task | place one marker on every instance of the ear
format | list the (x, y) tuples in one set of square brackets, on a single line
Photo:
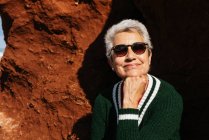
[(110, 62), (150, 56)]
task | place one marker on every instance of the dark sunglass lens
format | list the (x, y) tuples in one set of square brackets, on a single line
[(120, 50), (139, 48)]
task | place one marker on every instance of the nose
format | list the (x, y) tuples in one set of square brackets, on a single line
[(130, 54)]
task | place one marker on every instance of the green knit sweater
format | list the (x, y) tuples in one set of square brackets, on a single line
[(157, 118)]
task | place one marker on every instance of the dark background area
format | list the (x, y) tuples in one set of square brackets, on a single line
[(180, 35), (180, 31)]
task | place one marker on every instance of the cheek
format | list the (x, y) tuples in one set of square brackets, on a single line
[(117, 61), (145, 60)]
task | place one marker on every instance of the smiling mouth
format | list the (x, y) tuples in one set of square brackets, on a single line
[(130, 66)]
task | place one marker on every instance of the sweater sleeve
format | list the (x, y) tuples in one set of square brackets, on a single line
[(98, 119), (162, 124)]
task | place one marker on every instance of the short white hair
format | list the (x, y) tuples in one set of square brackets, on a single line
[(123, 26)]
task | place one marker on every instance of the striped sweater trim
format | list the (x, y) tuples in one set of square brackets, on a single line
[(114, 98), (128, 117), (153, 95), (147, 98)]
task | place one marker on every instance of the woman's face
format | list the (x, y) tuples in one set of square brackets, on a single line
[(131, 64)]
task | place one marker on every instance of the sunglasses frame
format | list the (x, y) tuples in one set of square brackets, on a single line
[(126, 46)]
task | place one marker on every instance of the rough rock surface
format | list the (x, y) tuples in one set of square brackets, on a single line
[(54, 63), (41, 96)]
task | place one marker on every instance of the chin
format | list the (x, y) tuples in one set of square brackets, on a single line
[(135, 74), (130, 75)]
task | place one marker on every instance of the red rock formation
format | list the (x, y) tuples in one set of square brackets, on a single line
[(54, 64), (41, 97)]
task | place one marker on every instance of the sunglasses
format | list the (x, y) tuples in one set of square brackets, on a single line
[(122, 49)]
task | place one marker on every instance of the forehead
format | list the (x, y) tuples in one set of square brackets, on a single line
[(127, 37)]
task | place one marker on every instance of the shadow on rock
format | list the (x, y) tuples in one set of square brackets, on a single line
[(81, 129)]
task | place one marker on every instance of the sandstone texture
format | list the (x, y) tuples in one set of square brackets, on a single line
[(41, 96), (54, 63)]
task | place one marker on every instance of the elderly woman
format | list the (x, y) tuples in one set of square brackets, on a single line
[(140, 106)]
